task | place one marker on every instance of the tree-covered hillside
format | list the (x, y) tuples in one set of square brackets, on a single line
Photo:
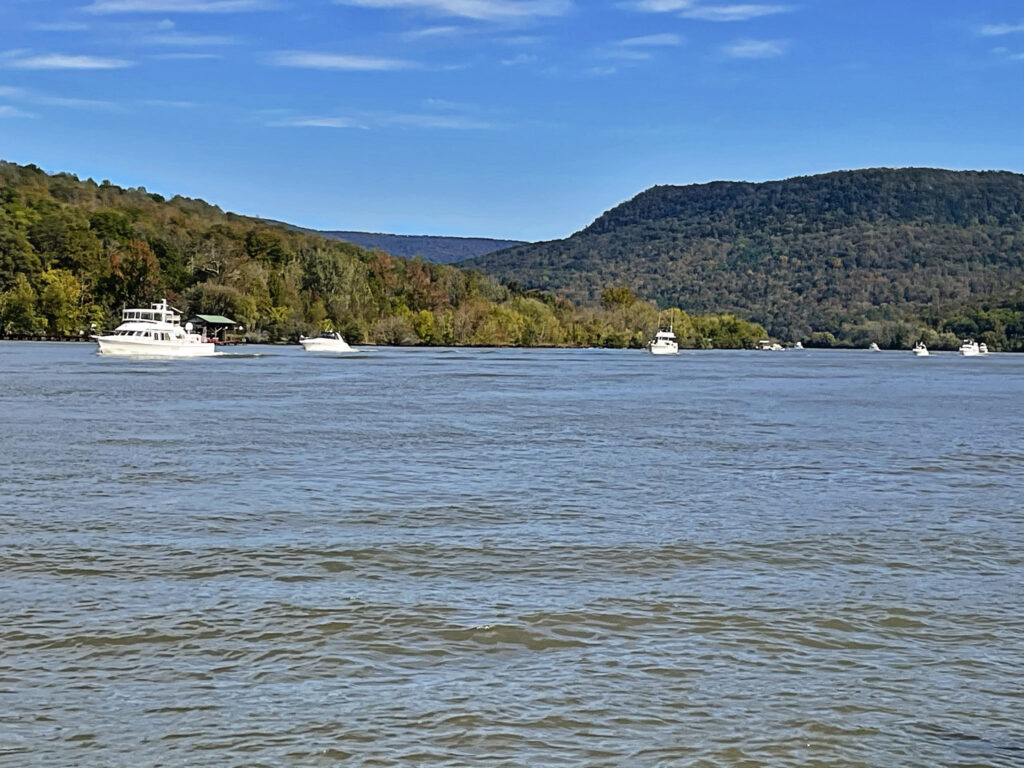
[(881, 254), (441, 250), (73, 253)]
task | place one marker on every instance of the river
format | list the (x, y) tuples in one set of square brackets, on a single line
[(502, 557)]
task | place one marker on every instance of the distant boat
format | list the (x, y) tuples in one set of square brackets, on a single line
[(872, 347), (971, 348), (770, 346), (798, 345), (328, 341), (664, 342), (154, 332), (920, 350)]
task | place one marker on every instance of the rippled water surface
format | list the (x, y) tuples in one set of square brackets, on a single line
[(433, 557)]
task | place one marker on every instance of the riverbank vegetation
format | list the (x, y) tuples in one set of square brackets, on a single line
[(74, 252)]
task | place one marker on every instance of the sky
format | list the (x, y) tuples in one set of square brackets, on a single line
[(517, 119)]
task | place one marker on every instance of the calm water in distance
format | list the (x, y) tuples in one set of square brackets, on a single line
[(469, 557)]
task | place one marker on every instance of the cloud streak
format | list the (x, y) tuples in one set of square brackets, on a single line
[(179, 6), (480, 10), (649, 41), (7, 111), (340, 62), (733, 12), (755, 49), (65, 61), (995, 30), (688, 9)]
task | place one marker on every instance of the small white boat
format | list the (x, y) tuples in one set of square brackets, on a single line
[(154, 332), (920, 350), (329, 341), (798, 345), (664, 342), (872, 347), (971, 348), (770, 346)]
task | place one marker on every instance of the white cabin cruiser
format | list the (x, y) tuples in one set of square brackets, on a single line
[(329, 341), (971, 348), (769, 346), (664, 342), (154, 332), (873, 347), (920, 350)]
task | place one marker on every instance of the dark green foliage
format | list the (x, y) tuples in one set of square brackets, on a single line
[(858, 254)]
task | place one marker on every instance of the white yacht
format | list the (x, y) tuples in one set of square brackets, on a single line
[(328, 341), (920, 350), (798, 345), (664, 342), (770, 346), (971, 348), (154, 332), (872, 347)]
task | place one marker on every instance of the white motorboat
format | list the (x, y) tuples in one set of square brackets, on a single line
[(872, 347), (798, 345), (329, 341), (154, 332), (770, 346), (920, 350), (971, 348), (664, 342)]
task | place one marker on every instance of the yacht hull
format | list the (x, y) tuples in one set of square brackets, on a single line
[(123, 347), (663, 350), (325, 345)]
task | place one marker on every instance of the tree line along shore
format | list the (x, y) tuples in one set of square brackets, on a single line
[(74, 252)]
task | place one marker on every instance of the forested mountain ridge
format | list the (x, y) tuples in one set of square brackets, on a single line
[(74, 252), (851, 255), (435, 248)]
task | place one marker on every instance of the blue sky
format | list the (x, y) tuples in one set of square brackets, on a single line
[(521, 119)]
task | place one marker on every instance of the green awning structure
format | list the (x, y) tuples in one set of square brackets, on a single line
[(216, 319)]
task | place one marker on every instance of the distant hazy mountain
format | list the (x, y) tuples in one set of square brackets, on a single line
[(809, 253), (440, 250)]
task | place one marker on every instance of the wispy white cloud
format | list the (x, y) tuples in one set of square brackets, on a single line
[(432, 32), (438, 114), (179, 6), (66, 26), (28, 96), (481, 10), (1002, 51), (522, 58), (169, 104), (65, 61), (453, 122), (755, 49), (636, 49), (187, 41), (994, 30), (658, 6), (689, 9), (8, 111), (733, 12), (520, 40), (63, 101), (340, 61), (181, 56), (649, 41), (316, 122)]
